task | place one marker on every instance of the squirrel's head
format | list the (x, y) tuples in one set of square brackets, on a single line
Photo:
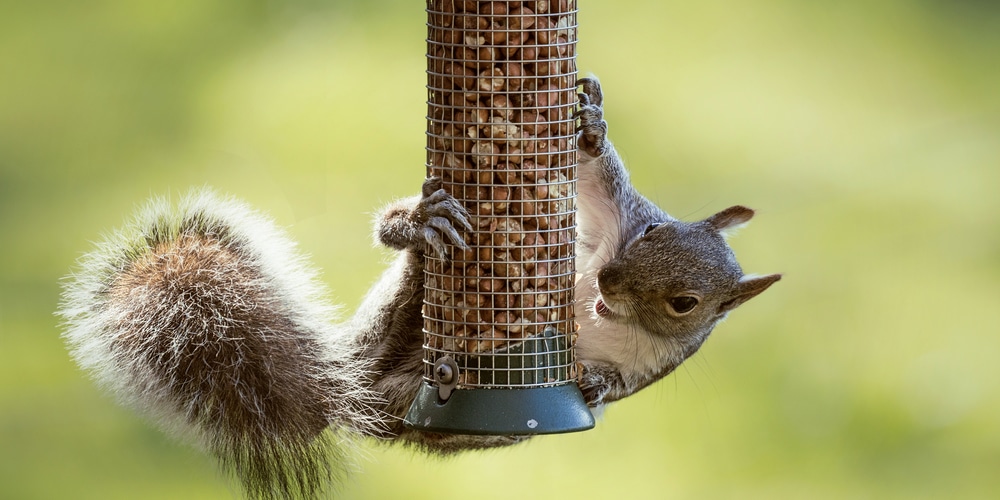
[(678, 279)]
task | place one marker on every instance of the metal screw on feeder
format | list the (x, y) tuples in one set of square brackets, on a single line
[(498, 319)]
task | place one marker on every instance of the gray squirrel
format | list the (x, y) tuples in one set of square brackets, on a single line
[(206, 319), (657, 286)]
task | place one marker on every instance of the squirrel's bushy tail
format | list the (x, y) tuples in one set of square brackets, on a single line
[(206, 318)]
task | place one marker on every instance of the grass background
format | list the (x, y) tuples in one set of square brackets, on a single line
[(867, 134)]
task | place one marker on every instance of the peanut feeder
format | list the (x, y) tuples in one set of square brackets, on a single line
[(499, 318)]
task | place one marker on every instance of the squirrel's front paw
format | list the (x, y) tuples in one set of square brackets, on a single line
[(438, 213), (593, 129)]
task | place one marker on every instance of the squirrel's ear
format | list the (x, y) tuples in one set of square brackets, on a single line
[(748, 288), (731, 219)]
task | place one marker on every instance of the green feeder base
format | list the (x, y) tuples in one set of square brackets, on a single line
[(538, 410)]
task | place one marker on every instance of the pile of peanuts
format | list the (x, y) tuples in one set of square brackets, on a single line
[(500, 128)]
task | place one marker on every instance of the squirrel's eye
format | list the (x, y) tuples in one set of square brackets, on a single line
[(650, 228), (683, 304)]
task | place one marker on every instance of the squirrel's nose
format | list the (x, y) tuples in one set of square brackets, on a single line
[(609, 278)]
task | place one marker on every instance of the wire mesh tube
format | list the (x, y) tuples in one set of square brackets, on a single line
[(501, 81), (501, 88)]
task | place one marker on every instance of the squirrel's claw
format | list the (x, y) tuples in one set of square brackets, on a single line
[(592, 89), (442, 204), (443, 213), (593, 129), (436, 242), (433, 231)]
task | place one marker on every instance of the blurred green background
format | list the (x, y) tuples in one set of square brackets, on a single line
[(867, 134)]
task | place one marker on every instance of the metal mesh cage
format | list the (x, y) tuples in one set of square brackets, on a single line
[(501, 81)]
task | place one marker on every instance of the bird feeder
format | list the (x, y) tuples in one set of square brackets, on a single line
[(499, 320)]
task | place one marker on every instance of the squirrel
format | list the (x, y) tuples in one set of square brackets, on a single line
[(656, 286), (206, 318)]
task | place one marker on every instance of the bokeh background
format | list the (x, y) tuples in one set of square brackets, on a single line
[(867, 134)]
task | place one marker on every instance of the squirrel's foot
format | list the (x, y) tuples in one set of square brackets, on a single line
[(598, 380), (437, 214), (593, 129), (592, 89)]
